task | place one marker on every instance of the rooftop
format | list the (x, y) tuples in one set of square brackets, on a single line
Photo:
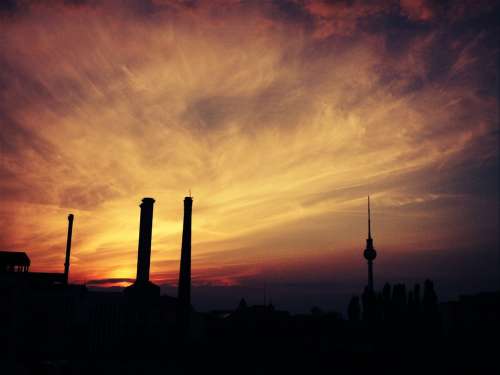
[(14, 258)]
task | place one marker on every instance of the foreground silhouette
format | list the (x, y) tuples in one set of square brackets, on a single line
[(50, 326)]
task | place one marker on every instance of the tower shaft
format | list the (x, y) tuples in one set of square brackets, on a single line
[(145, 233), (369, 220), (142, 289), (370, 276), (68, 248), (184, 292)]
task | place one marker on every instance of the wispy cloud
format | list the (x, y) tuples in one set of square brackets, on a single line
[(280, 116)]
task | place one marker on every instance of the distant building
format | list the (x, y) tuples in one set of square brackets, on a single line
[(14, 261), (472, 314), (14, 269)]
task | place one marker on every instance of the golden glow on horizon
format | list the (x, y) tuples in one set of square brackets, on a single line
[(279, 137)]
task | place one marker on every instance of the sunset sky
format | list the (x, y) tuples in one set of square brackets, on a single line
[(279, 116)]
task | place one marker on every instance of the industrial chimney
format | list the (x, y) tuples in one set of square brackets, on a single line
[(142, 284), (184, 289), (145, 232), (68, 248)]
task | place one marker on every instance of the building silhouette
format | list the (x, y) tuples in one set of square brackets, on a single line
[(14, 268), (42, 316), (14, 261)]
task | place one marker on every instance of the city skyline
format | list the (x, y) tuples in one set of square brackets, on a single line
[(281, 117)]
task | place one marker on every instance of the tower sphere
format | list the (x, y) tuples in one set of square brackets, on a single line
[(370, 254)]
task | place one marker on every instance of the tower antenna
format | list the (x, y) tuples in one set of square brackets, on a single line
[(369, 220)]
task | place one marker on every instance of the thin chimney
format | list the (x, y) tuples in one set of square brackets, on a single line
[(184, 291), (68, 248)]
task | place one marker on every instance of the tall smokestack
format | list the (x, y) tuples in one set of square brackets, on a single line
[(144, 250), (142, 287), (68, 248), (184, 292)]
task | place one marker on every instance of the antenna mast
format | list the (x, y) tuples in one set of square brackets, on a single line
[(369, 220)]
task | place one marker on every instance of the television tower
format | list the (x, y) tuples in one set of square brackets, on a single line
[(370, 254)]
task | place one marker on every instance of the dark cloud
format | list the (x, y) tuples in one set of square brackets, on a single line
[(261, 109), (8, 7), (397, 30), (23, 153), (19, 88), (15, 139), (87, 197), (109, 281), (291, 11)]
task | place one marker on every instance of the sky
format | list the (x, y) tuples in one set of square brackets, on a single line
[(280, 117)]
